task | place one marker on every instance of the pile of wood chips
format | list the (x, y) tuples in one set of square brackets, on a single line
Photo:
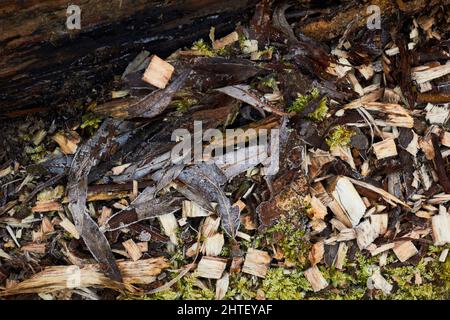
[(363, 178)]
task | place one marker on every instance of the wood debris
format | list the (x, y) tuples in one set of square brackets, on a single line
[(385, 149), (256, 263), (211, 267), (316, 279), (158, 72), (132, 249)]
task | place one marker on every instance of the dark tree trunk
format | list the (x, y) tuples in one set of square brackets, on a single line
[(44, 66)]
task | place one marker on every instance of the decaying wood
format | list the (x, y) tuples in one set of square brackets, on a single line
[(348, 198), (158, 72), (385, 149), (211, 267), (256, 263), (441, 228), (213, 245), (133, 249), (222, 286), (377, 281), (365, 234), (405, 250), (316, 279), (58, 278), (170, 226)]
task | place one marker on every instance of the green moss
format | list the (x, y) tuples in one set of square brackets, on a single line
[(269, 82), (189, 289), (299, 104), (302, 100), (321, 111), (90, 122), (184, 104), (289, 234), (202, 47), (339, 137), (241, 288), (337, 278), (281, 284), (406, 289)]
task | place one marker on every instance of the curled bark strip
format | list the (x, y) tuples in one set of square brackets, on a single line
[(87, 157), (206, 179)]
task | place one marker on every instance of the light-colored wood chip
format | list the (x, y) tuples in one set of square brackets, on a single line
[(428, 74), (213, 245), (143, 246), (379, 223), (34, 247), (67, 225), (46, 226), (47, 206), (132, 249), (227, 40), (57, 278), (158, 72), (348, 198), (105, 214), (443, 255), (445, 139), (256, 263), (440, 225), (341, 255), (67, 141), (385, 149), (210, 226), (405, 250), (316, 279), (377, 281), (316, 253), (192, 210), (318, 209), (222, 286), (170, 225), (365, 234), (211, 267)]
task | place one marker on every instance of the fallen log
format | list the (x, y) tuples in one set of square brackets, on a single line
[(44, 65)]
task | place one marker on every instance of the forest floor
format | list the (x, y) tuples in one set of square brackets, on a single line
[(336, 186)]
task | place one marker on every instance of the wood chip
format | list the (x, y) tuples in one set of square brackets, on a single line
[(385, 149), (256, 263), (377, 281), (132, 249), (441, 228), (428, 74), (316, 253), (211, 267), (158, 72), (57, 278), (365, 234), (349, 199), (213, 245), (222, 286), (68, 142), (236, 264), (405, 250), (341, 255), (47, 206), (379, 223), (316, 279), (228, 39), (192, 210), (170, 226), (67, 225), (34, 247)]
